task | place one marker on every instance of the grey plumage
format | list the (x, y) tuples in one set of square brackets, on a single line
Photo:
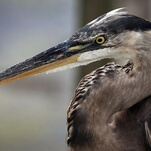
[(111, 107), (99, 120)]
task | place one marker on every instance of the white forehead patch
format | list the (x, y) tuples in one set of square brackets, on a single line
[(116, 12)]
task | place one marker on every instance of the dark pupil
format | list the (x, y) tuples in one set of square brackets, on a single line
[(100, 40)]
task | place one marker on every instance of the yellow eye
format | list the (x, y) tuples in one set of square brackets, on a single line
[(100, 40)]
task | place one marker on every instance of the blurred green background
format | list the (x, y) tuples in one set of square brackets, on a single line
[(33, 110)]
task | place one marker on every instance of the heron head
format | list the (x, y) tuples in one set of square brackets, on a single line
[(115, 34)]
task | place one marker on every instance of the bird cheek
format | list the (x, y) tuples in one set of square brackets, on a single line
[(132, 39)]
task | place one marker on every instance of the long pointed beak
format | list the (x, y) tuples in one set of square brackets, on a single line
[(50, 59)]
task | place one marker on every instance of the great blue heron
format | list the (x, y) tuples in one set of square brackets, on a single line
[(111, 108)]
